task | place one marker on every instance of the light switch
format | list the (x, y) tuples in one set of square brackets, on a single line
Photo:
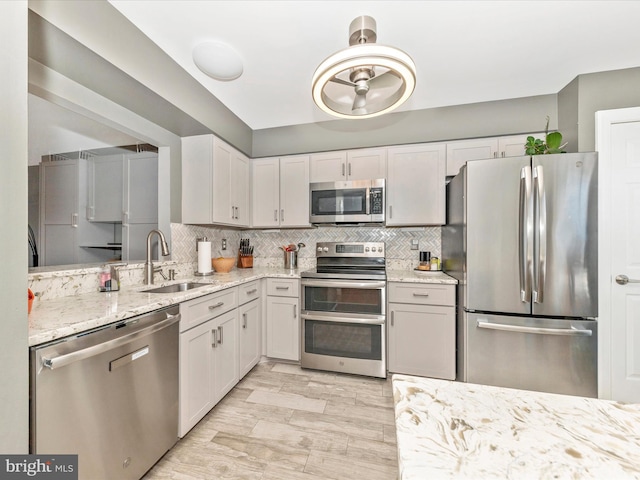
[(415, 244)]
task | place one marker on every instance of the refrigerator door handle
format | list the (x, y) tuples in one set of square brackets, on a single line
[(540, 330), (540, 268), (525, 233)]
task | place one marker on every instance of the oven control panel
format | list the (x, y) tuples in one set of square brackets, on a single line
[(351, 249)]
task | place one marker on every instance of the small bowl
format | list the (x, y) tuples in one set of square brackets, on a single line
[(223, 264)]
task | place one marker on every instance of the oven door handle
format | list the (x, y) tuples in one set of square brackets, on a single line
[(342, 284), (360, 320)]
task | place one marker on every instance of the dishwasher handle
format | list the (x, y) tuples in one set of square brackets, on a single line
[(66, 359)]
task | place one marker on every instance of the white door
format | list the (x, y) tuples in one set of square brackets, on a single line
[(618, 145)]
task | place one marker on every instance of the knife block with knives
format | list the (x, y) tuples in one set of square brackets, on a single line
[(245, 254)]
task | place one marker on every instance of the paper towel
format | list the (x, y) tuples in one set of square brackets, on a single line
[(204, 257)]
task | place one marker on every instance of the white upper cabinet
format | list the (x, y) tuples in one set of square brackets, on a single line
[(280, 192), (462, 151), (416, 185), (105, 182), (362, 164), (215, 182)]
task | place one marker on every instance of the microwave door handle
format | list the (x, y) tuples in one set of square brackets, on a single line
[(367, 201)]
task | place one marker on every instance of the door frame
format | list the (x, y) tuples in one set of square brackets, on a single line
[(604, 120)]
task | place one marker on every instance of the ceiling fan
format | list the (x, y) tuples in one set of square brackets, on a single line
[(366, 79)]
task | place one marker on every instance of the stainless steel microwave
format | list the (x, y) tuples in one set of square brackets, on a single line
[(358, 201)]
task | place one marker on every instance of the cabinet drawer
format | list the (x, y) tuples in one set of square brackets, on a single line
[(283, 287), (422, 294), (198, 310), (248, 292)]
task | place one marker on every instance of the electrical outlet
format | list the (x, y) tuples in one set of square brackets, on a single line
[(415, 244), (224, 244)]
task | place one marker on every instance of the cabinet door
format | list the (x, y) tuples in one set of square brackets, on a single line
[(416, 185), (294, 191), (105, 188), (328, 167), (283, 328), (459, 153), (422, 340), (240, 190), (513, 145), (141, 188), (59, 192), (196, 375), (250, 337), (226, 354), (265, 192), (222, 209), (367, 164), (197, 177)]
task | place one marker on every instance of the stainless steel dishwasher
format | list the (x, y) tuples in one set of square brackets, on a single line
[(109, 395)]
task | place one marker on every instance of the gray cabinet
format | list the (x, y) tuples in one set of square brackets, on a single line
[(283, 318), (250, 326), (422, 330)]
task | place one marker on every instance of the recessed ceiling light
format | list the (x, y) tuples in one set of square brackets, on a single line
[(218, 60)]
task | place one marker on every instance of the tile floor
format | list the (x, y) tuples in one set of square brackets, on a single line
[(281, 422)]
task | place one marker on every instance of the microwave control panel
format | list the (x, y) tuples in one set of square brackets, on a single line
[(375, 200)]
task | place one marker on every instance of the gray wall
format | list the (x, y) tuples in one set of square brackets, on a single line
[(568, 115), (14, 374), (604, 91), (514, 116)]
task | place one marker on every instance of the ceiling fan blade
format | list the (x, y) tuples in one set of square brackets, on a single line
[(342, 82), (387, 79), (359, 102)]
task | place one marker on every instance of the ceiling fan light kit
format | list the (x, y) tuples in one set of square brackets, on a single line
[(366, 79), (218, 60)]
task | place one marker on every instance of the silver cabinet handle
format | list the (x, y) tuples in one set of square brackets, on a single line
[(295, 311), (251, 292), (74, 220), (125, 219), (343, 169), (233, 212), (349, 168), (220, 329), (623, 280), (540, 330), (275, 215), (415, 294), (282, 214), (244, 320), (213, 307), (390, 211), (214, 333), (237, 213), (282, 288), (393, 317)]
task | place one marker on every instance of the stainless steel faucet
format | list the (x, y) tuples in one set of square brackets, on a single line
[(148, 265)]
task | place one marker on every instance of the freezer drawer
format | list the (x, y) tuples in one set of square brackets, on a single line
[(530, 353)]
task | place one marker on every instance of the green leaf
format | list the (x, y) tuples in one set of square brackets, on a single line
[(554, 140)]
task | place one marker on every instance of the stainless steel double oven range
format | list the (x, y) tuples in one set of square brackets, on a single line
[(343, 309)]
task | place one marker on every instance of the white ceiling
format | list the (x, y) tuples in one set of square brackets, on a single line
[(465, 51)]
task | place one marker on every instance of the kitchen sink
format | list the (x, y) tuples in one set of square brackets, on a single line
[(176, 287)]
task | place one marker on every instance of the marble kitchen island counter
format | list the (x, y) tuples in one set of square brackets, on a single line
[(460, 430)]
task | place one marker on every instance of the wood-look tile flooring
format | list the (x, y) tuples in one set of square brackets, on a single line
[(282, 422)]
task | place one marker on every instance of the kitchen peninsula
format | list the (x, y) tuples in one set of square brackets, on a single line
[(461, 430)]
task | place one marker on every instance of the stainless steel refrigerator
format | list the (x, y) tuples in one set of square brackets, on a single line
[(521, 238)]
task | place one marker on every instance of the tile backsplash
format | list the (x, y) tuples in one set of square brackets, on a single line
[(398, 242)]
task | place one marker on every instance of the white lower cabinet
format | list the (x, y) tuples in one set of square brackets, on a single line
[(209, 354), (422, 330), (250, 329), (283, 318)]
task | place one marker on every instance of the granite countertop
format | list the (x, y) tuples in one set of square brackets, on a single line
[(56, 318), (459, 430), (416, 276)]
